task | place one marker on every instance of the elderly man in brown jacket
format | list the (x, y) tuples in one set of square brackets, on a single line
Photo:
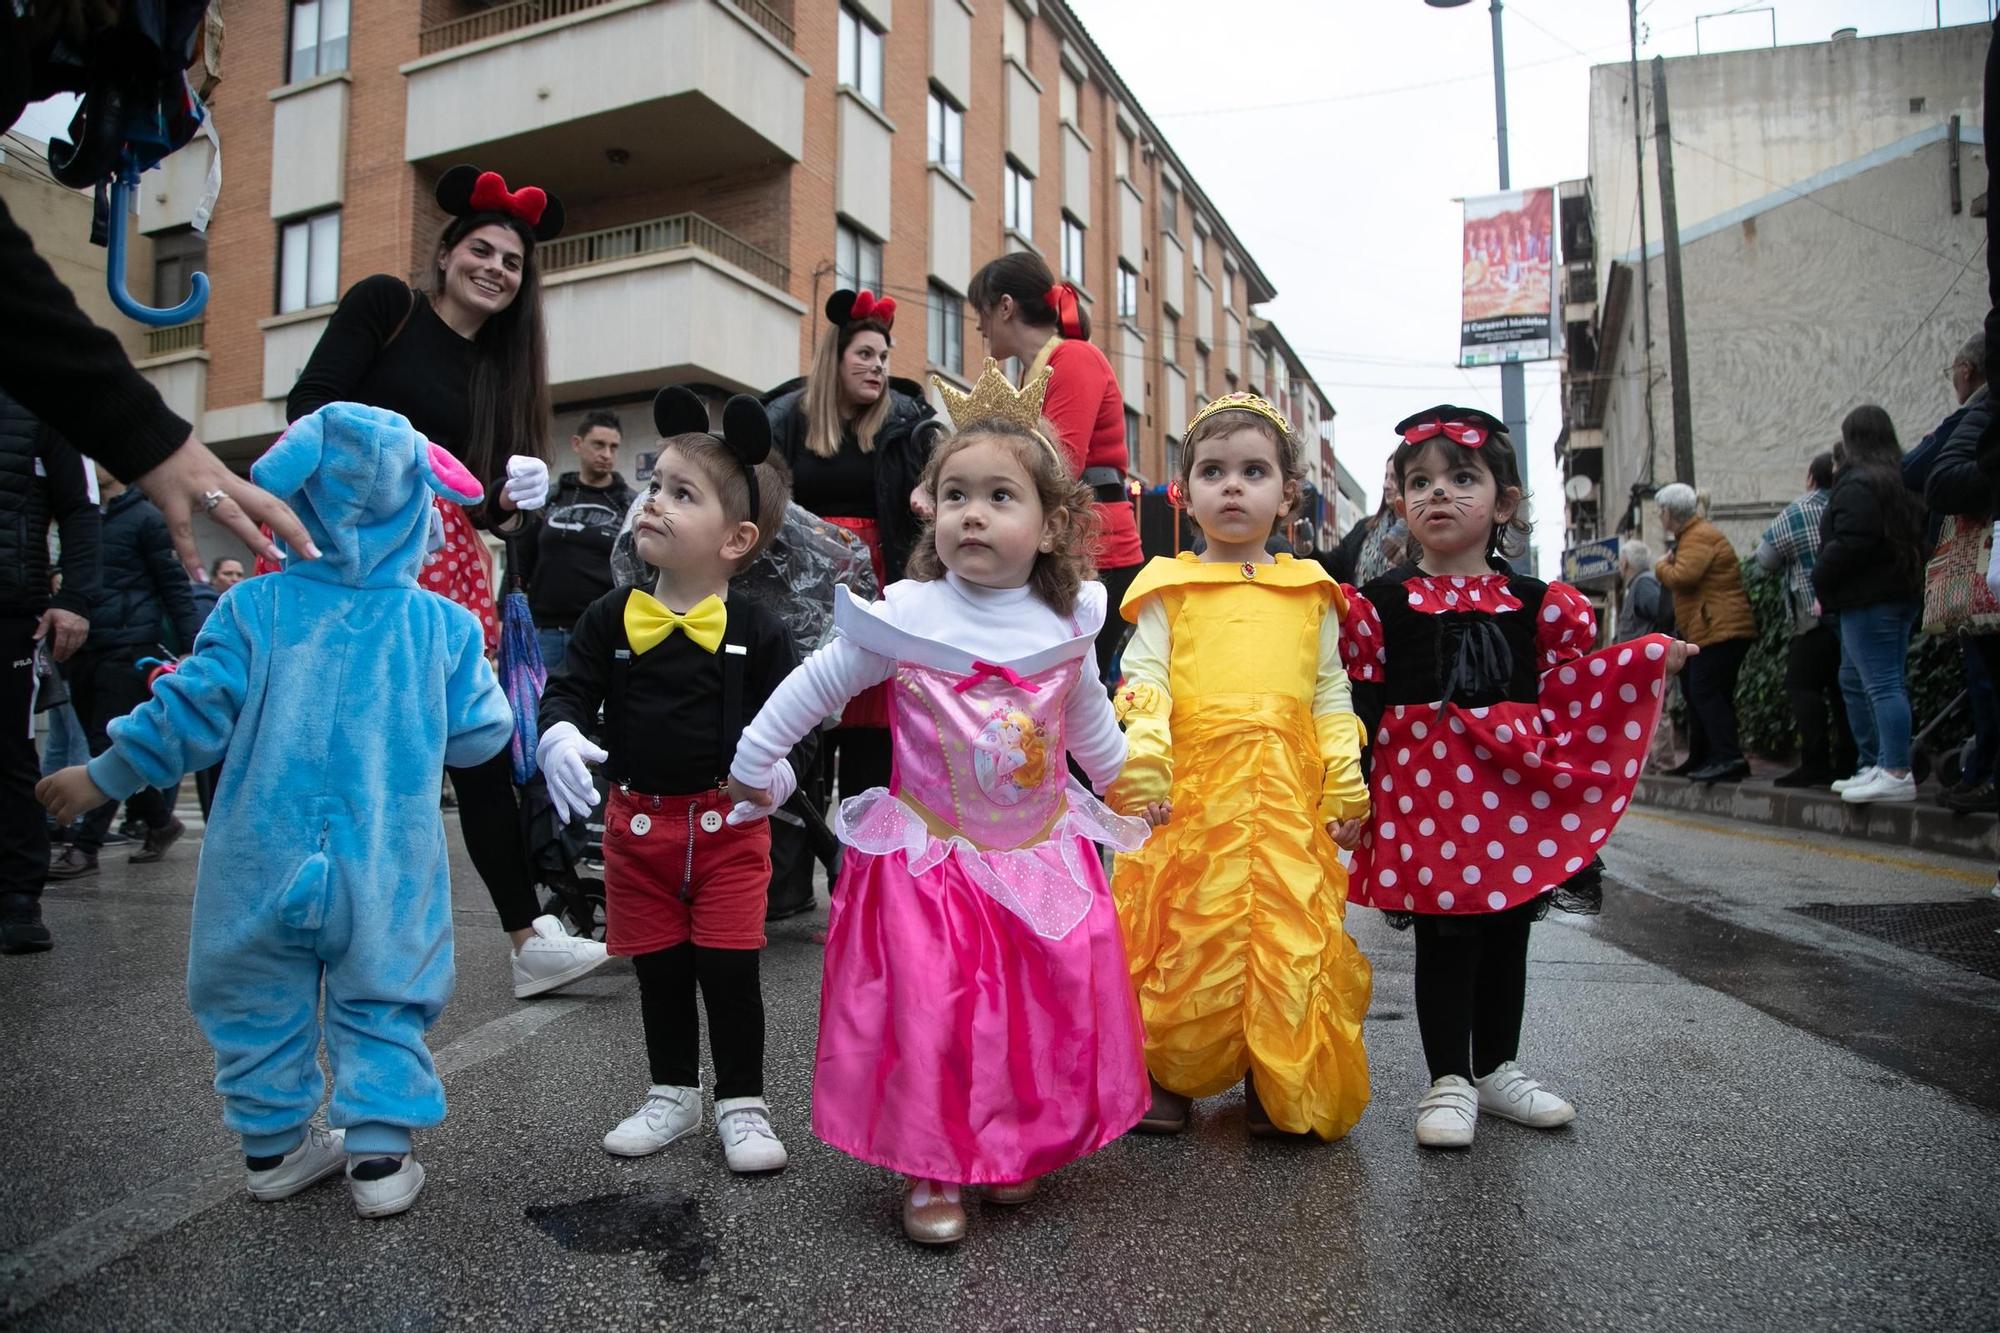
[(1710, 609)]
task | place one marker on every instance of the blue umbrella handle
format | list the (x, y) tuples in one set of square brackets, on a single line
[(122, 186)]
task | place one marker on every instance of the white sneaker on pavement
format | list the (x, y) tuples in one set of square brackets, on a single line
[(1860, 776), (387, 1195), (1512, 1095), (668, 1113), (748, 1140), (1882, 785), (552, 958), (323, 1152), (1447, 1114)]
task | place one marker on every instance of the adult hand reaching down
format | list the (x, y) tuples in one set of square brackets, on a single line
[(193, 476)]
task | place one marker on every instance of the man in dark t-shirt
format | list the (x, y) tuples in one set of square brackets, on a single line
[(563, 553)]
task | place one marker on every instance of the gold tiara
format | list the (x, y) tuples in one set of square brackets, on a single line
[(1240, 402), (992, 396)]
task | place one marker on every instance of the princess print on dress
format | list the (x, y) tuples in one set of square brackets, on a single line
[(1009, 755)]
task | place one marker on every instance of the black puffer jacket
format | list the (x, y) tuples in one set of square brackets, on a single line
[(42, 478), (144, 582), (902, 447), (1870, 542), (1962, 480)]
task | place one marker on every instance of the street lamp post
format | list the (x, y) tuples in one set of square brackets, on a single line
[(1513, 383)]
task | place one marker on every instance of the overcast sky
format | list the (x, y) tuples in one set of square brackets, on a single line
[(1335, 136)]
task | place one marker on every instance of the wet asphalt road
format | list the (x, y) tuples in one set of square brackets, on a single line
[(1784, 1124)]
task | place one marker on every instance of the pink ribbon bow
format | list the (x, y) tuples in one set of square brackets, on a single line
[(987, 671)]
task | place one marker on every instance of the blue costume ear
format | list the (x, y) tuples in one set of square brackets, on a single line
[(289, 464), (445, 475)]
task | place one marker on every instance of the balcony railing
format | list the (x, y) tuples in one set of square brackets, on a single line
[(502, 19), (658, 234), (179, 338)]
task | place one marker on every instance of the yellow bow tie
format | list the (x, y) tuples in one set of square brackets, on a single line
[(647, 622)]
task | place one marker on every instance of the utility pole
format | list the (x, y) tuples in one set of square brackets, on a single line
[(1677, 352), (1645, 264)]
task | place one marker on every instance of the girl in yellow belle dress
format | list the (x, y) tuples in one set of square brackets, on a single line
[(1245, 753)]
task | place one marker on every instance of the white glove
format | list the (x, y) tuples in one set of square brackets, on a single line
[(1993, 565), (781, 785), (564, 757), (527, 482)]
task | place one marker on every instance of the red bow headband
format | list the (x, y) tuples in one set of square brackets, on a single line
[(465, 190), (1467, 426), (845, 307), (1062, 298), (491, 195), (1459, 432)]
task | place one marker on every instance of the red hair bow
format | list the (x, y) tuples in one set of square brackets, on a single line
[(1062, 297), (868, 306), (1467, 433), (491, 195)]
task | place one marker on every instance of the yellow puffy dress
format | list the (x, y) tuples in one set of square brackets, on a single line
[(1233, 910)]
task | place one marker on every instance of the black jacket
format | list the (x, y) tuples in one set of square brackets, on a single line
[(145, 586), (1861, 560), (562, 554), (42, 478), (1962, 478), (902, 447)]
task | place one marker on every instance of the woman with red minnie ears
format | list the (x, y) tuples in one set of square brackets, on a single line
[(1026, 314), (467, 363)]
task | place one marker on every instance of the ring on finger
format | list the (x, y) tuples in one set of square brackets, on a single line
[(210, 499)]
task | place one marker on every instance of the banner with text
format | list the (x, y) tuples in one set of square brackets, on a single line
[(1508, 278)]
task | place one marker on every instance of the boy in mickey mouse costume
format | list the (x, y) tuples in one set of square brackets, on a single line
[(678, 671)]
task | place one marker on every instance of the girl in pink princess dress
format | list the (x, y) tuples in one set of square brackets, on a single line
[(977, 1022), (1504, 754)]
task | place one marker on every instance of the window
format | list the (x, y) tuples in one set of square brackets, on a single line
[(1128, 291), (1069, 96), (1173, 459), (1132, 440), (1228, 285), (1014, 35), (860, 57), (177, 256), (1072, 249), (947, 331), (1200, 251), (319, 39), (1018, 199), (1170, 337), (1170, 208), (1122, 154), (1200, 372), (309, 262), (947, 135), (857, 260)]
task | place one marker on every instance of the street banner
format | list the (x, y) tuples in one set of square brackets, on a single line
[(1508, 279)]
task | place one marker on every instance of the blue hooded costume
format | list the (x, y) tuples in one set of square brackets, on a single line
[(333, 695)]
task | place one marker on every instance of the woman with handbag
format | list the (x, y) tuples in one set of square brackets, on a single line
[(467, 363), (1869, 576), (1964, 486)]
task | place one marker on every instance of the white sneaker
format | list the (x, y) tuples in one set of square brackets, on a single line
[(552, 958), (1860, 776), (323, 1152), (668, 1113), (1447, 1114), (1882, 785), (1512, 1095), (748, 1140), (391, 1194)]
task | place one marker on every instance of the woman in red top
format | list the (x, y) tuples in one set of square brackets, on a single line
[(1026, 314)]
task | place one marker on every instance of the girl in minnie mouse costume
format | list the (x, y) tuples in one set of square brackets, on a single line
[(1504, 753), (679, 669), (466, 363)]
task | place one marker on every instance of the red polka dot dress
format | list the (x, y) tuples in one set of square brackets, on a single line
[(1506, 751), (460, 570)]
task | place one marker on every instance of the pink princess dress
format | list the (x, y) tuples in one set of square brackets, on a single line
[(977, 1021)]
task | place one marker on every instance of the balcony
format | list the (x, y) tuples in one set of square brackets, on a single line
[(188, 337), (669, 299), (680, 89), (176, 364)]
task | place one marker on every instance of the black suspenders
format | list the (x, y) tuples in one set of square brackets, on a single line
[(735, 660)]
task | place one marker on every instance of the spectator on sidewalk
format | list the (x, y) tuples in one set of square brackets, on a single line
[(1711, 610), (1375, 545), (1812, 657), (562, 554), (45, 480), (143, 589), (1646, 608), (1870, 576)]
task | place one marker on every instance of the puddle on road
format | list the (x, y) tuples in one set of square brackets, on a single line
[(662, 1223)]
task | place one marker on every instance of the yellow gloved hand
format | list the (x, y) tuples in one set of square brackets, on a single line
[(1343, 792), (1148, 774)]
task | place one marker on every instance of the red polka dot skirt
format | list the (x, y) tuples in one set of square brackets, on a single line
[(460, 570)]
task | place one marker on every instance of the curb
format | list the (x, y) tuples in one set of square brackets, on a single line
[(1920, 826)]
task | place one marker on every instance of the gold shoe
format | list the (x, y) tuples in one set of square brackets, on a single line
[(932, 1214), (1017, 1193)]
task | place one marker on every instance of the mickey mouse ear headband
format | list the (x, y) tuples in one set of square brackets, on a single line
[(1467, 426), (746, 429), (465, 190), (845, 307)]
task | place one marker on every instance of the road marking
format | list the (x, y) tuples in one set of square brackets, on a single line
[(1792, 844), (31, 1275)]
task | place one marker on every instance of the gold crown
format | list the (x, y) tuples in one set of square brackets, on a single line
[(992, 396), (1240, 402)]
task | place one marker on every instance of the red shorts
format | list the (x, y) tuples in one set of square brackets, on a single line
[(675, 869)]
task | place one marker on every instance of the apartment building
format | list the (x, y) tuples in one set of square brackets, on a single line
[(725, 164)]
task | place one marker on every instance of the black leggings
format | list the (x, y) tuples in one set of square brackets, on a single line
[(1472, 980), (735, 1002), (489, 815), (854, 759), (1111, 637)]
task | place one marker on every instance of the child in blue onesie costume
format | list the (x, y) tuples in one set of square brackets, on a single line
[(333, 695)]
